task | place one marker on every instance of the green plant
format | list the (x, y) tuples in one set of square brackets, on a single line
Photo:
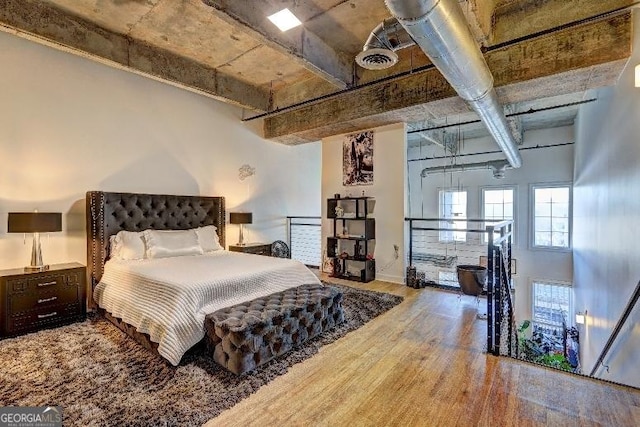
[(542, 348)]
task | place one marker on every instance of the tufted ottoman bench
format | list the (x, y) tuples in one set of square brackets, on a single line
[(247, 335)]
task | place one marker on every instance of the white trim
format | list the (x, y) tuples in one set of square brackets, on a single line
[(532, 210)]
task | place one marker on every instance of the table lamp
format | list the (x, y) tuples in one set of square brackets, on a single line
[(36, 223), (241, 218)]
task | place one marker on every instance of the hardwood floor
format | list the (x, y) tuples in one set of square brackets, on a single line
[(422, 364)]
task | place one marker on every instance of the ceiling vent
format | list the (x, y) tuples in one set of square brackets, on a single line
[(377, 59)]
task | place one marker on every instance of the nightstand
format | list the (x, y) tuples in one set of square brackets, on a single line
[(31, 301), (252, 248)]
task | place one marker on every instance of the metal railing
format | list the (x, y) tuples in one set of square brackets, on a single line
[(496, 246), (500, 310), (304, 235), (616, 330)]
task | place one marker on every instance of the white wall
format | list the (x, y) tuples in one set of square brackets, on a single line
[(389, 154), (607, 223), (546, 165), (69, 125)]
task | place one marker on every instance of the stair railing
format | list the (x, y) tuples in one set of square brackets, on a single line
[(616, 330)]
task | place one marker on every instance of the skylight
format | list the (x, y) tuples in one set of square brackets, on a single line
[(285, 20)]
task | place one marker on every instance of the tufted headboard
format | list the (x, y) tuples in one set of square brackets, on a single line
[(108, 213)]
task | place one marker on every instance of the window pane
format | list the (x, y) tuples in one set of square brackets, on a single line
[(560, 195), (560, 224), (453, 204), (508, 196), (551, 216), (551, 303), (543, 209), (543, 239), (543, 224), (543, 195), (508, 211), (560, 240), (561, 210)]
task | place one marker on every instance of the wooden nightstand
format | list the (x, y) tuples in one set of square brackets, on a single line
[(31, 301), (252, 248)]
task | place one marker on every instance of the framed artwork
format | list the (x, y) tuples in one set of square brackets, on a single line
[(357, 159)]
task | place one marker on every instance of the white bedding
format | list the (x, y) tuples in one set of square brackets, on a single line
[(168, 298)]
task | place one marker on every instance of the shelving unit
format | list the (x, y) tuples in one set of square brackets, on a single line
[(350, 243)]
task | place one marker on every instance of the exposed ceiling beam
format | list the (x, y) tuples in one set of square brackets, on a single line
[(519, 18), (301, 44), (581, 57), (45, 22)]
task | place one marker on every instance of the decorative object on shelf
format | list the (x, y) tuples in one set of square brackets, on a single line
[(241, 218), (344, 255), (411, 277), (345, 232), (336, 196), (36, 223), (339, 211), (336, 267), (357, 159)]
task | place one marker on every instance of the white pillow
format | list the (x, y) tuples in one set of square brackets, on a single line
[(127, 245), (208, 238), (170, 243)]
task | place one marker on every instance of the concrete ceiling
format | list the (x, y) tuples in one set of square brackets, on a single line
[(227, 49)]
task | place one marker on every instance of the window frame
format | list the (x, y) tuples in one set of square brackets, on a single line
[(570, 320), (441, 215), (512, 187), (532, 216)]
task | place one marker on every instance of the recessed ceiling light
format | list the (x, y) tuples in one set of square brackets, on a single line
[(285, 20)]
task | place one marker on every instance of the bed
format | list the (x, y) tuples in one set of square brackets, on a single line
[(139, 296)]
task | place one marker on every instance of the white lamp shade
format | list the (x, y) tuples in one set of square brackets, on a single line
[(580, 318)]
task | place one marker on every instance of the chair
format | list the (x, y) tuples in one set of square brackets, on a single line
[(472, 279), (280, 249)]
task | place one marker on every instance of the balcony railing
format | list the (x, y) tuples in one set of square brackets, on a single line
[(305, 239)]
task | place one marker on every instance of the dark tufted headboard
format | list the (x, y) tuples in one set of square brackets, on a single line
[(108, 213)]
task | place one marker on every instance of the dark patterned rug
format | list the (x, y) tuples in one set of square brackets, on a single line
[(101, 377)]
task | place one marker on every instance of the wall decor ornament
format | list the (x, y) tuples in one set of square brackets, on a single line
[(357, 159)]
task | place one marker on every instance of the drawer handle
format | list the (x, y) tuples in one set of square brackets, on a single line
[(44, 316), (41, 285), (40, 301)]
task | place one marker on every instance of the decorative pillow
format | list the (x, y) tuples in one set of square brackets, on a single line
[(127, 245), (170, 243), (208, 238)]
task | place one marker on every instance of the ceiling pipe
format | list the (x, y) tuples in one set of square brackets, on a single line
[(440, 29), (498, 168)]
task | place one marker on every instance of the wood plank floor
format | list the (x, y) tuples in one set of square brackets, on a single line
[(422, 364)]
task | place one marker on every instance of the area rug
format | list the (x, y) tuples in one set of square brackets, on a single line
[(102, 377)]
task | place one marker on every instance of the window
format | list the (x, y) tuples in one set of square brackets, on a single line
[(552, 303), (551, 216), (498, 205), (453, 204)]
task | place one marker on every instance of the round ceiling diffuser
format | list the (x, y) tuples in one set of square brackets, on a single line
[(376, 59)]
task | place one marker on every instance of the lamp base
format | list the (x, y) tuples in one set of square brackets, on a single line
[(35, 268)]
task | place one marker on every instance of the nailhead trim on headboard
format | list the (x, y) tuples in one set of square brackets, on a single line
[(108, 213)]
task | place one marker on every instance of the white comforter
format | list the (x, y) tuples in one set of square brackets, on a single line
[(168, 298)]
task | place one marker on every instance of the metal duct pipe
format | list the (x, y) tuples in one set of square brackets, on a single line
[(440, 29), (498, 168)]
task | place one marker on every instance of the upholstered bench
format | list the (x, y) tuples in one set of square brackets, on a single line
[(247, 335)]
